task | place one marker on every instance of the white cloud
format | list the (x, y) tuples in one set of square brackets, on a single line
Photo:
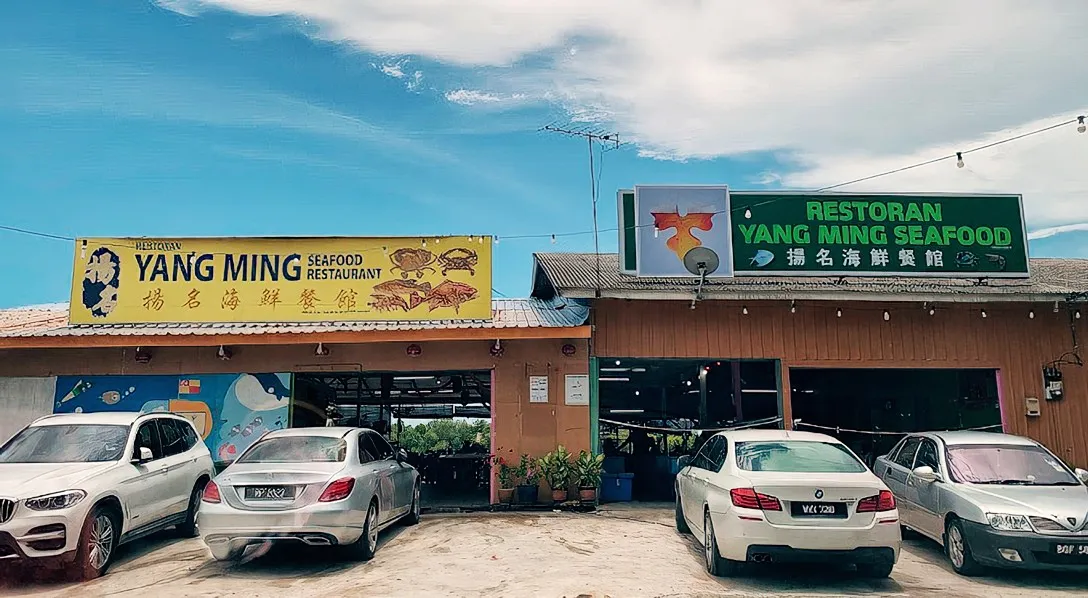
[(394, 69), (1045, 233), (843, 88), (472, 97)]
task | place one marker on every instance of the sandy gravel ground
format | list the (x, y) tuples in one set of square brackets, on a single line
[(619, 553)]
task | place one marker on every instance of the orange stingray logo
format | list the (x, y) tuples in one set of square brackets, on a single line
[(683, 241)]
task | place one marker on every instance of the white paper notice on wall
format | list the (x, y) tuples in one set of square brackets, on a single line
[(577, 389), (538, 389)]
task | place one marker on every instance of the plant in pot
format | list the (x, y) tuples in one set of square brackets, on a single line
[(527, 474), (556, 469), (507, 478), (587, 471)]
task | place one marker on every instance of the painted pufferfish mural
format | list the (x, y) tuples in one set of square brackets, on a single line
[(254, 403)]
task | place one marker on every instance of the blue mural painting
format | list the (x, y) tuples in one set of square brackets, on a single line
[(230, 411)]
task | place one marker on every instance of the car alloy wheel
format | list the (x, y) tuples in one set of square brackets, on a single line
[(956, 552), (708, 543), (372, 529), (100, 543)]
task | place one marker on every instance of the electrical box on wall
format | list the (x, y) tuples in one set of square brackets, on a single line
[(1032, 406), (1052, 384)]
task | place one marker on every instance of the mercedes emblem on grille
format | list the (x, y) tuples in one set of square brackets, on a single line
[(1071, 520), (819, 493)]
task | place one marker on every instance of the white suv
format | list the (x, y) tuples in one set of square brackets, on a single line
[(76, 486)]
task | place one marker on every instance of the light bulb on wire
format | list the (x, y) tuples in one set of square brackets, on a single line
[(553, 239), (496, 239), (838, 313), (887, 316), (983, 313), (656, 232), (747, 213), (424, 242), (959, 159), (1081, 127)]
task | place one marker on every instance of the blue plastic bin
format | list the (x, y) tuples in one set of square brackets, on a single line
[(616, 487)]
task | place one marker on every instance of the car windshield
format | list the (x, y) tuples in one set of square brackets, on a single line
[(78, 443), (797, 456), (1007, 464), (297, 449)]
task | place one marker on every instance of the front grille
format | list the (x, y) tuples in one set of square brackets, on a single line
[(7, 509), (1047, 525)]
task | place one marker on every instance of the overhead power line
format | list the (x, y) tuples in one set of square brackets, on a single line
[(612, 140)]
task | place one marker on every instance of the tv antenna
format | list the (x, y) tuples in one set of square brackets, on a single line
[(591, 136)]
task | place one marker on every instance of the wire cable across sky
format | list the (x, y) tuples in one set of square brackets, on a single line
[(958, 156)]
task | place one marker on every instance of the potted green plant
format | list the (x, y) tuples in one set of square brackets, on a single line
[(527, 474), (587, 471), (507, 478), (556, 469)]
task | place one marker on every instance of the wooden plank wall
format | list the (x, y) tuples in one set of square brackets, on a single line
[(956, 336)]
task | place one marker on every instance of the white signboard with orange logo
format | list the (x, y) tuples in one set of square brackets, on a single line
[(673, 220)]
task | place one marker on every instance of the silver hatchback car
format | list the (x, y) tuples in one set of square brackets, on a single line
[(990, 499), (317, 486)]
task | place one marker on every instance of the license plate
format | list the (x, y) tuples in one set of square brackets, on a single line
[(1080, 550), (818, 509), (270, 492)]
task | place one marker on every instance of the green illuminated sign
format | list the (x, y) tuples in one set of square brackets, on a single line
[(878, 235)]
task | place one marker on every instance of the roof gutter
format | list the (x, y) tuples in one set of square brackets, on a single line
[(858, 296), (91, 340)]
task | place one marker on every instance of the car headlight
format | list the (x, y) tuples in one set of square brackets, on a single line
[(1008, 523), (55, 501)]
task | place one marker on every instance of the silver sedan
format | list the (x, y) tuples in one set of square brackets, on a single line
[(317, 486), (990, 499)]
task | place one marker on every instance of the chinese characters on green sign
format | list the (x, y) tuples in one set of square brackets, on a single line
[(878, 235)]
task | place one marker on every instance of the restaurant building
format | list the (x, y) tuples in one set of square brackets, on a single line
[(288, 368), (861, 348)]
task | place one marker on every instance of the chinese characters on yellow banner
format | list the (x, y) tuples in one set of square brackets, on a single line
[(131, 281)]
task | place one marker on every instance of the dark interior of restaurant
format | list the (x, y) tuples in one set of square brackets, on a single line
[(442, 420), (892, 400), (652, 411)]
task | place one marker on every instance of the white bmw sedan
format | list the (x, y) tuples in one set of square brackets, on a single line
[(784, 496)]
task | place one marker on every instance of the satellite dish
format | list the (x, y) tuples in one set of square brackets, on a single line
[(701, 261)]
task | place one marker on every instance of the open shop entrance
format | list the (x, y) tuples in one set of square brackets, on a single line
[(868, 408), (652, 411), (442, 419)]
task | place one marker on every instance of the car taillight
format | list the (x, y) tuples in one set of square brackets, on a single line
[(750, 499), (877, 504), (338, 490), (211, 493)]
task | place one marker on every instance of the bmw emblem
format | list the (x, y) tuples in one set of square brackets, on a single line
[(819, 493)]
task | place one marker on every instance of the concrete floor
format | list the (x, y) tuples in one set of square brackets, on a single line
[(619, 552)]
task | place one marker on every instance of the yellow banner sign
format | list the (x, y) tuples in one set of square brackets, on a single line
[(140, 281)]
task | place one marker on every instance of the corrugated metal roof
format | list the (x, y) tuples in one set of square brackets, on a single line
[(52, 321), (575, 275)]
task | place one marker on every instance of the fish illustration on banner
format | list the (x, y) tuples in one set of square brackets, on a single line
[(230, 411)]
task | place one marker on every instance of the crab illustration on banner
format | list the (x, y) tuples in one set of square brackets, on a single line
[(672, 221)]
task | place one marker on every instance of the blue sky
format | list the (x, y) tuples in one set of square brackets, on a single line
[(136, 118)]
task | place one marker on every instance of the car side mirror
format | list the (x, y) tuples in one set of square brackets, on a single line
[(1082, 475), (926, 474), (144, 456), (684, 461), (402, 455)]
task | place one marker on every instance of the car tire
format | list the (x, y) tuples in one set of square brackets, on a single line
[(364, 548), (681, 523), (224, 553), (875, 570), (958, 552), (413, 516), (98, 540), (189, 528), (716, 565)]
